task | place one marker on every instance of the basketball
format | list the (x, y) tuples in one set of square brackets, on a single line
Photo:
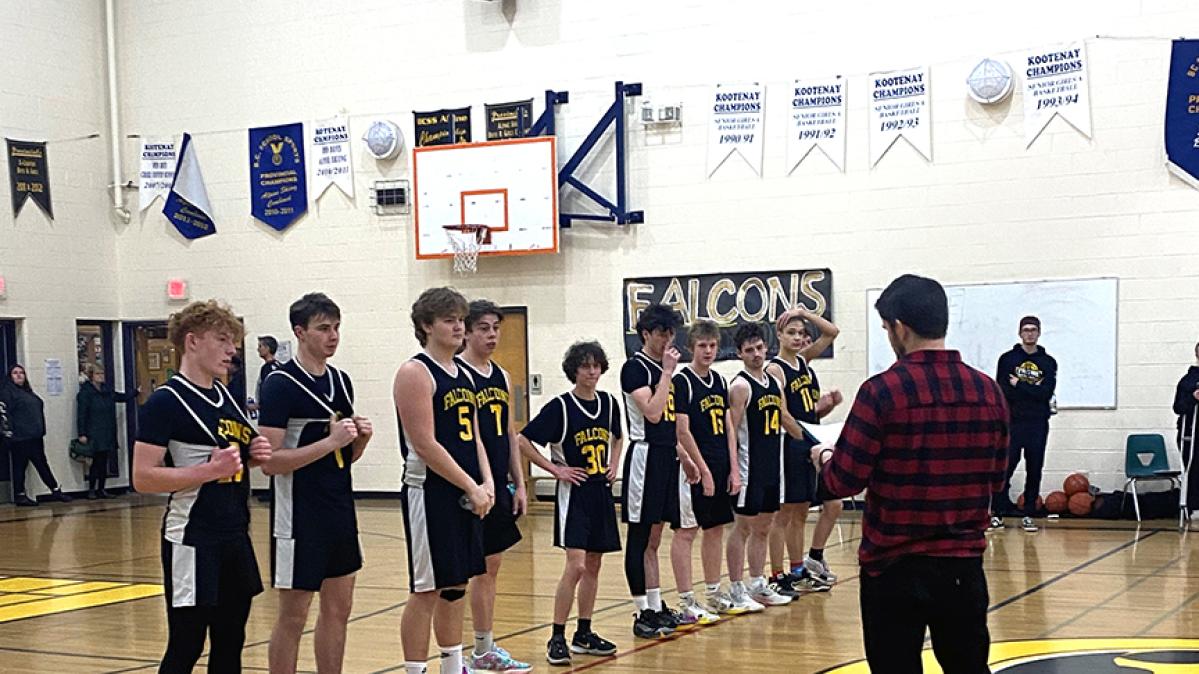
[(1080, 504), (1077, 483), (1020, 502), (1057, 502)]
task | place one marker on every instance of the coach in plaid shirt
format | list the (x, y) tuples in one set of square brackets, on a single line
[(928, 441)]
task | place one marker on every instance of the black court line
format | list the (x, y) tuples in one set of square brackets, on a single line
[(354, 619), (118, 658), (1127, 588), (1169, 614), (78, 511)]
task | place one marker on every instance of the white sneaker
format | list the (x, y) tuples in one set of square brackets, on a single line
[(690, 608), (819, 570), (718, 602), (1028, 525), (764, 594), (742, 603)]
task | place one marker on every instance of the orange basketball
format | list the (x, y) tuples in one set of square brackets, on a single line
[(1057, 502), (1080, 504), (1020, 502), (1076, 484)]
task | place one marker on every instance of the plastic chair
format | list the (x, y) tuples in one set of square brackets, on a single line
[(1145, 459)]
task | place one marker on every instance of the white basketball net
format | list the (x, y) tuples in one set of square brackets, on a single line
[(466, 243)]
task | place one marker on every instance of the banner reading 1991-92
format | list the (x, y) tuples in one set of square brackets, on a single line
[(817, 121), (1182, 112), (278, 182), (730, 300)]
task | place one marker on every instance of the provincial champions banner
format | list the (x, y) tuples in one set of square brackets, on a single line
[(442, 127), (157, 170), (737, 125), (29, 177), (1055, 83), (899, 107), (509, 120), (817, 121), (1182, 112), (278, 181), (187, 205), (329, 157), (728, 299)]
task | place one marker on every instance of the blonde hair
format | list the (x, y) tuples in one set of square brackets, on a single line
[(201, 317), (91, 369)]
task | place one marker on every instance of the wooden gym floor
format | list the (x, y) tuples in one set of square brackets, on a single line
[(79, 593)]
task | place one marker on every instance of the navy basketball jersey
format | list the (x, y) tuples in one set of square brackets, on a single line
[(453, 425), (800, 389), (579, 432), (492, 397), (760, 432), (317, 498), (705, 401), (190, 422), (638, 372)]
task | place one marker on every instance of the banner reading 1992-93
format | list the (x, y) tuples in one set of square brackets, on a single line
[(278, 182), (28, 175), (509, 120), (442, 127), (730, 300), (899, 107), (1182, 112)]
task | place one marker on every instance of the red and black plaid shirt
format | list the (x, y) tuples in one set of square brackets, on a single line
[(928, 441)]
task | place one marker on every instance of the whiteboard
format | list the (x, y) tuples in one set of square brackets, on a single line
[(1078, 328)]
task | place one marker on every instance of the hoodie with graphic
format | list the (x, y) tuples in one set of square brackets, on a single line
[(1036, 380)]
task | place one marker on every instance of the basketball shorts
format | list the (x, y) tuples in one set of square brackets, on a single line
[(445, 542), (762, 481), (499, 527), (210, 574), (304, 563), (798, 473), (585, 517), (706, 512), (649, 492)]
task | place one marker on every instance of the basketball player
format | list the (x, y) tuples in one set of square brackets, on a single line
[(307, 412), (650, 492), (805, 403), (759, 416), (582, 428), (447, 481), (210, 573), (701, 397), (496, 428)]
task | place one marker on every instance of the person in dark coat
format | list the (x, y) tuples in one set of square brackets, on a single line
[(27, 445), (1186, 399), (96, 416)]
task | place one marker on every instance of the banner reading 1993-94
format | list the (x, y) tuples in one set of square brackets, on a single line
[(737, 114), (1055, 83), (899, 107), (1182, 112), (278, 183)]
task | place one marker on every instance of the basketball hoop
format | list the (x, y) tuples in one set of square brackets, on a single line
[(466, 241)]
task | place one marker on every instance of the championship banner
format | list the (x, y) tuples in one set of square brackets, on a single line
[(509, 120), (329, 157), (187, 205), (1055, 83), (737, 125), (899, 107), (817, 121), (448, 126), (157, 170), (278, 182), (1182, 112), (730, 300), (28, 176)]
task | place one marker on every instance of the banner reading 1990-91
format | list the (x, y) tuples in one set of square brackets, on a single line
[(737, 114), (730, 300), (278, 182), (1182, 112)]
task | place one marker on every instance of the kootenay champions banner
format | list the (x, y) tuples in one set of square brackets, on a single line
[(817, 121), (278, 182), (157, 170), (509, 120), (1055, 83), (899, 108), (29, 178), (737, 114), (442, 127), (1182, 112), (329, 157), (728, 299)]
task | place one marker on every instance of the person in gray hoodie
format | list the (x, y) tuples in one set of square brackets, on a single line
[(28, 422)]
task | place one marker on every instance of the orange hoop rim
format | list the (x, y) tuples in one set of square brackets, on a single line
[(482, 232)]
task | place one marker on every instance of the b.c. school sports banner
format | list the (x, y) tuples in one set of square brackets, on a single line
[(899, 107), (1182, 112), (817, 121), (278, 181), (1055, 83), (442, 127), (729, 299), (737, 114)]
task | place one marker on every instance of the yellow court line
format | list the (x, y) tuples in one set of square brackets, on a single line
[(6, 599), (74, 602), (80, 588), (23, 584)]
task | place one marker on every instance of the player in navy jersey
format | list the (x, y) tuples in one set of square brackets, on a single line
[(806, 403), (493, 391), (307, 412), (649, 492), (448, 487), (759, 417), (195, 444), (582, 429)]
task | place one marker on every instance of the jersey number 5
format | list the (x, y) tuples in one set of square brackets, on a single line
[(468, 427)]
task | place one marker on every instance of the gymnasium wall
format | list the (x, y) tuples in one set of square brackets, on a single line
[(985, 210), (52, 89)]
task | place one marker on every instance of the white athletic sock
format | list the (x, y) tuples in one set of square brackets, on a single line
[(654, 596), (713, 588), (451, 659), (641, 602), (484, 643), (686, 596), (737, 586), (415, 668), (757, 582)]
